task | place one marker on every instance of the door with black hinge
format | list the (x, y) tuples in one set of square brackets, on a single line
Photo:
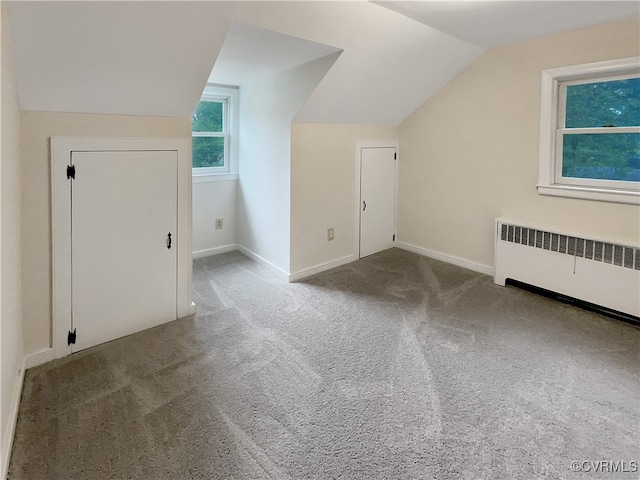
[(377, 199), (123, 252)]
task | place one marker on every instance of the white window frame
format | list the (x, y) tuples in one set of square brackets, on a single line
[(224, 134), (228, 96), (552, 111)]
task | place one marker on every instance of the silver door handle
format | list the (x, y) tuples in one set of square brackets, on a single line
[(364, 205)]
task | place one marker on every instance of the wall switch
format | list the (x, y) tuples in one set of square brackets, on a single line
[(218, 223), (330, 234)]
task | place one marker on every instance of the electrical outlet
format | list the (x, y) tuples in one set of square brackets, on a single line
[(330, 234), (218, 223)]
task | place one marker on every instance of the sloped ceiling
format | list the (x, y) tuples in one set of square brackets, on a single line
[(250, 53), (136, 58), (495, 23), (154, 58), (390, 64)]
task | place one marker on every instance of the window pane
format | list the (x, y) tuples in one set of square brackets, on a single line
[(207, 117), (606, 156), (208, 152), (615, 103)]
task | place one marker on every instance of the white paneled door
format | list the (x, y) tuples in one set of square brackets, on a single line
[(377, 199), (123, 234)]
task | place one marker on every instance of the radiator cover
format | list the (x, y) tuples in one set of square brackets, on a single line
[(591, 270)]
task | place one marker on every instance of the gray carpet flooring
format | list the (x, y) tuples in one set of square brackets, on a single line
[(392, 367)]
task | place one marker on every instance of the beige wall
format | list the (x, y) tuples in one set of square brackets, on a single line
[(36, 130), (322, 189), (11, 347), (470, 153)]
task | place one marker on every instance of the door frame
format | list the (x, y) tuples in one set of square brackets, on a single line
[(360, 144), (61, 149)]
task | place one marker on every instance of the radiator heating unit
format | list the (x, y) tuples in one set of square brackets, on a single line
[(597, 272)]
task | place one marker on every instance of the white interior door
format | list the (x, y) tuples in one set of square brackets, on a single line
[(377, 199), (124, 277)]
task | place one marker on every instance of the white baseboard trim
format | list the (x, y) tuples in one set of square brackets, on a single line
[(29, 361), (307, 272), (215, 251), (10, 429), (284, 276), (38, 358), (443, 257)]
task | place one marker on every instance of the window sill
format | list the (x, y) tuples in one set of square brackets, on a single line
[(214, 177), (588, 193)]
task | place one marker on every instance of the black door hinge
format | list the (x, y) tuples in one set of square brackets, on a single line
[(395, 156), (71, 338), (71, 171), (394, 238)]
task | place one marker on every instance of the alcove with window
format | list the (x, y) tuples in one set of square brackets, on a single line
[(214, 126)]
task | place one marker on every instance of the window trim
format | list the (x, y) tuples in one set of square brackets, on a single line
[(229, 96), (550, 136)]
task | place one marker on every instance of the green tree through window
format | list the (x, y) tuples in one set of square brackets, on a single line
[(209, 137), (614, 103), (207, 117), (608, 154)]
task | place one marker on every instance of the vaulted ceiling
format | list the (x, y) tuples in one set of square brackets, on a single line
[(250, 53), (154, 58), (495, 23)]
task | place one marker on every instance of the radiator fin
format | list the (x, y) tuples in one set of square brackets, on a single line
[(618, 255)]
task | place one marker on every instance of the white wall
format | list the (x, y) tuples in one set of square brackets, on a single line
[(212, 200), (267, 108), (323, 189), (470, 153), (36, 129), (11, 345)]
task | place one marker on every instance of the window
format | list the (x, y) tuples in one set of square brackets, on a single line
[(590, 131), (213, 132), (210, 136)]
